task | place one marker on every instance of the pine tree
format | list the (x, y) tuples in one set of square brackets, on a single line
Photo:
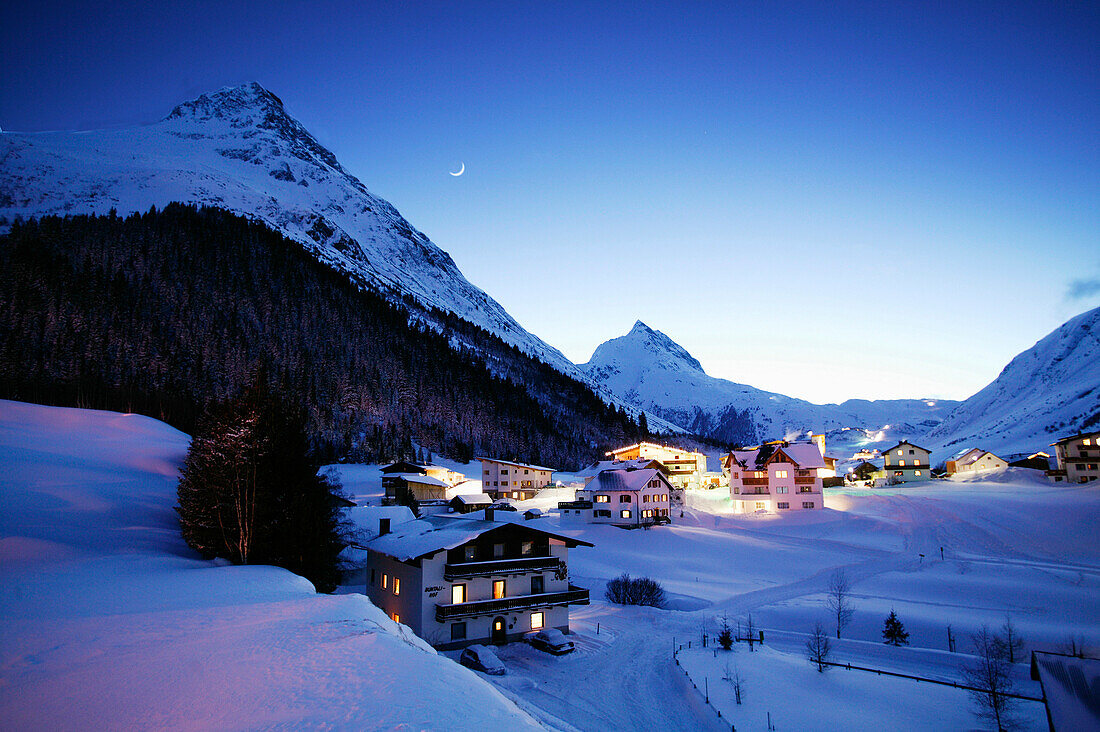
[(249, 490), (893, 632)]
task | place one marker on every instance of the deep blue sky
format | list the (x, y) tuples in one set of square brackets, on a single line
[(827, 200)]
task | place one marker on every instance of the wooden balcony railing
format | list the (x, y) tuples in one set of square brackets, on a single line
[(465, 570), (572, 596)]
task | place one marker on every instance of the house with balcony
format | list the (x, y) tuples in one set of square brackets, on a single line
[(418, 482), (627, 498), (777, 476), (1078, 458), (684, 468), (974, 460), (457, 580), (518, 481), (906, 463)]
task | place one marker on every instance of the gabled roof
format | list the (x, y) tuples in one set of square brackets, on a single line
[(971, 456), (624, 480), (518, 465), (1070, 687), (419, 478), (803, 455), (473, 499), (426, 536), (910, 444)]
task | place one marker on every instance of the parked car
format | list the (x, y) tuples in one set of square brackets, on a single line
[(551, 640), (503, 506), (481, 658)]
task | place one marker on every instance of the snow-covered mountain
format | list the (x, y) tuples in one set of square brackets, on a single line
[(1049, 391), (651, 371), (239, 149)]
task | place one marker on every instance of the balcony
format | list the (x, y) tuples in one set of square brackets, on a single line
[(804, 480), (572, 596), (465, 570), (754, 481)]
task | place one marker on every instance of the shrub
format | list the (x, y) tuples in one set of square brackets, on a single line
[(627, 590)]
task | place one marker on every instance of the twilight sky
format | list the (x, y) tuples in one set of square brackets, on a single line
[(827, 200)]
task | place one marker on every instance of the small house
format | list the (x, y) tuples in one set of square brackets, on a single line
[(628, 498), (457, 580), (906, 462), (777, 476), (470, 502), (974, 460)]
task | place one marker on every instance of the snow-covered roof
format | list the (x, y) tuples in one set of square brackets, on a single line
[(472, 498), (1070, 686), (623, 480), (418, 478), (906, 442), (517, 465), (805, 455), (437, 533)]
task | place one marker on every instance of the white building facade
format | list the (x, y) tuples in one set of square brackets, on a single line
[(776, 477), (461, 580)]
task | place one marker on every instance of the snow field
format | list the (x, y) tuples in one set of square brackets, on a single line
[(108, 621)]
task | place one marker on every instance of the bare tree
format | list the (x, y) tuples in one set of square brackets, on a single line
[(991, 678), (750, 632), (1009, 642), (736, 680), (838, 599), (818, 647)]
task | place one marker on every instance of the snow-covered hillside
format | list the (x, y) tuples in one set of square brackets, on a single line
[(1049, 391), (648, 369), (109, 621)]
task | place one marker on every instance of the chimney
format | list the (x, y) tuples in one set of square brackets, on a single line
[(383, 526), (489, 513), (818, 440)]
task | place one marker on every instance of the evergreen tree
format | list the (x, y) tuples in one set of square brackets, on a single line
[(893, 632), (249, 491), (643, 424)]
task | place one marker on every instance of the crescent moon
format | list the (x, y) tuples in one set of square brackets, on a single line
[(461, 170)]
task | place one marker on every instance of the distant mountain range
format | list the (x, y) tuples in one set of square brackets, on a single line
[(650, 370)]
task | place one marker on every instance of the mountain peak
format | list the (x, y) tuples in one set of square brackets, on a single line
[(649, 346), (232, 103)]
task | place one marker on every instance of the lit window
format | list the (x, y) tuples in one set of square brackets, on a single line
[(761, 505), (624, 514), (603, 499), (397, 585), (498, 589), (781, 474), (396, 618), (527, 547), (458, 594), (916, 472), (470, 552), (901, 462), (385, 581), (536, 621)]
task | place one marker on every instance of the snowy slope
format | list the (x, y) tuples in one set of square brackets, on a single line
[(108, 620), (1049, 391), (240, 150), (649, 370)]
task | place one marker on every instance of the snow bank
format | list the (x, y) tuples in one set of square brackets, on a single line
[(108, 620)]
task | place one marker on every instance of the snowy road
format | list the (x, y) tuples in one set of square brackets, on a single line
[(622, 679)]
